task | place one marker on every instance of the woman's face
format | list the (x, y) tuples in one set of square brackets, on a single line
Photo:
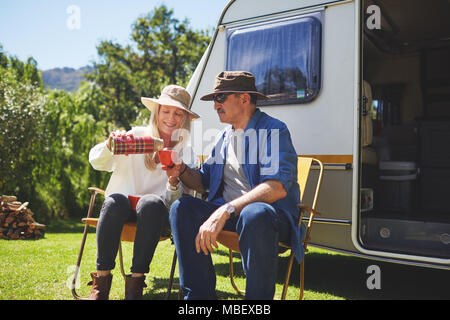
[(169, 119)]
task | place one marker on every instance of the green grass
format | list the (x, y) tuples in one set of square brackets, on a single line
[(40, 269)]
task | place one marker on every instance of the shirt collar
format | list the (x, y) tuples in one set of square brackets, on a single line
[(253, 120), (250, 125)]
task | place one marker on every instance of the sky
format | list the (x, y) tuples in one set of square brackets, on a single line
[(64, 33)]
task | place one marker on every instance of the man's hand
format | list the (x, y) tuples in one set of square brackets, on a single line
[(191, 178), (174, 181), (269, 191), (207, 234), (175, 170)]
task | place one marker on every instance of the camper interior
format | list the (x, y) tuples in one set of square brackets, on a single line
[(405, 140)]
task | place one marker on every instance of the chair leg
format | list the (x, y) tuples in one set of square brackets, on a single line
[(77, 267), (288, 276), (172, 272), (83, 242), (121, 261), (230, 255), (302, 278)]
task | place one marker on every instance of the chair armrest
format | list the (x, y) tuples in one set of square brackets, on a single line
[(309, 209), (97, 190), (94, 192)]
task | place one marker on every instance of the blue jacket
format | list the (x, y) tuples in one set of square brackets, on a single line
[(265, 159)]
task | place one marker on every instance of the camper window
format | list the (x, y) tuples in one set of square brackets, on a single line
[(284, 56)]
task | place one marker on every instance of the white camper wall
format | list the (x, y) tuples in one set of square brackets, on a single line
[(245, 9), (323, 126)]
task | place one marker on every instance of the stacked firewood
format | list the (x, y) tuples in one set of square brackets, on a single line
[(16, 221)]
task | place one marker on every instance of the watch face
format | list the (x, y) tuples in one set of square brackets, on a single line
[(229, 208)]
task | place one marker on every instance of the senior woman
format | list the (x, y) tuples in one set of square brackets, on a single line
[(139, 175)]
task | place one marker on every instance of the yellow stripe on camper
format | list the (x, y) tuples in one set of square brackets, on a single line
[(332, 158)]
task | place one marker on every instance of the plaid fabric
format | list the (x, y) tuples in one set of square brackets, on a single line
[(132, 145)]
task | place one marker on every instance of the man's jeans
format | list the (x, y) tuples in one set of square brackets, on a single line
[(259, 227)]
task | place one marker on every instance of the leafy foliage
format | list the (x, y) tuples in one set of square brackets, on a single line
[(165, 51), (46, 134), (22, 114)]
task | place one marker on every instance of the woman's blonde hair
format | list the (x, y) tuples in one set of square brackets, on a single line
[(181, 134)]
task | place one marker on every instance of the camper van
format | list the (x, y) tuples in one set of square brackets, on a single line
[(363, 86)]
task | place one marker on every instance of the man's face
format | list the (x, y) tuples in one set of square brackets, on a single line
[(228, 107)]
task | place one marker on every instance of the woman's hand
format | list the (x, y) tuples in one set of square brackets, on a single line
[(118, 134)]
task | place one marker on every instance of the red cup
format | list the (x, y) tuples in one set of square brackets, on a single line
[(165, 157), (133, 201)]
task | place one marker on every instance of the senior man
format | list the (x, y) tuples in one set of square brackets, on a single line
[(251, 176)]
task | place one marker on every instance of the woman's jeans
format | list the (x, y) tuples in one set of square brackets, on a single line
[(151, 217), (259, 227)]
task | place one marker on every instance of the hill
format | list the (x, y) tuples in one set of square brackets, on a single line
[(66, 78)]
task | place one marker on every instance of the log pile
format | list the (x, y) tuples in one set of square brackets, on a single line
[(16, 221)]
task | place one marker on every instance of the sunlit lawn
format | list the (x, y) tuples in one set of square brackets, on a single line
[(41, 269)]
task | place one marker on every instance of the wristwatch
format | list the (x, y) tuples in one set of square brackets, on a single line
[(230, 209)]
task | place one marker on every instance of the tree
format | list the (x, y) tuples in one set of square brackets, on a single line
[(46, 135), (22, 114), (169, 44), (167, 52), (3, 58)]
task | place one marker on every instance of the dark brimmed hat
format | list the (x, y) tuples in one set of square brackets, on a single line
[(234, 82)]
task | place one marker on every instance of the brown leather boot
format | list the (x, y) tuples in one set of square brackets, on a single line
[(100, 286), (134, 287)]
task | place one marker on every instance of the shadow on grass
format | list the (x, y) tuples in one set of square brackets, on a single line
[(347, 277), (160, 286), (69, 225), (338, 275)]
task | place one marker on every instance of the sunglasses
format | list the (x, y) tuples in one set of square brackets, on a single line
[(221, 97)]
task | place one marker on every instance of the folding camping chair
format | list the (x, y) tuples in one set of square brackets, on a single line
[(128, 234), (231, 239)]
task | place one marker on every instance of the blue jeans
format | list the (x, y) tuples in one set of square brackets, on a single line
[(259, 226)]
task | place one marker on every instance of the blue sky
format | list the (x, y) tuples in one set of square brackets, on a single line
[(47, 29)]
